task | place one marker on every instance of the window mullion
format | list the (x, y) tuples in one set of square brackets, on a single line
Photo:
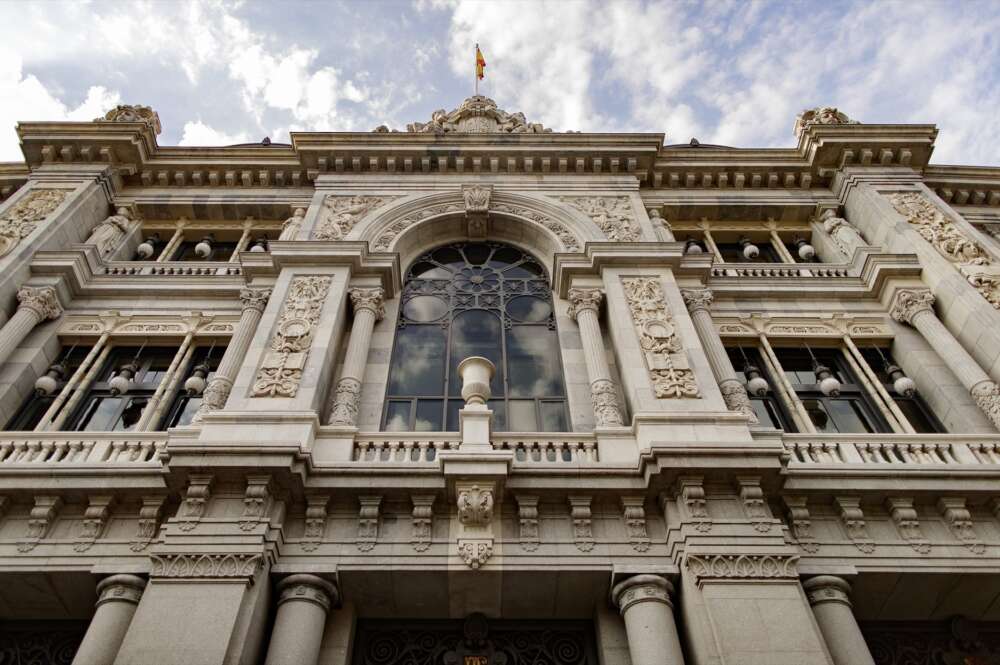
[(153, 412), (898, 422), (798, 411)]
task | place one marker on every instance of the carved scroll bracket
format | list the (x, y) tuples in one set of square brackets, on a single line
[(475, 517)]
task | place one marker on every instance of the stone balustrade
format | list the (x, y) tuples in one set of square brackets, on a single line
[(548, 448), (175, 268), (528, 448), (779, 270), (919, 449), (71, 448)]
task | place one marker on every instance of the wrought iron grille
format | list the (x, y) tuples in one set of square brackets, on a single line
[(956, 642), (40, 642)]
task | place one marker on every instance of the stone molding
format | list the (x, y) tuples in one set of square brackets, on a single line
[(827, 589), (204, 565), (583, 300), (734, 394), (642, 589), (423, 521), (309, 589), (604, 400), (281, 370), (254, 299), (477, 198), (42, 300), (195, 501), (120, 589), (666, 361), (340, 214), (613, 215), (845, 235), (693, 504), (133, 113), (754, 505), (986, 394), (475, 552), (907, 303), (476, 115), (742, 566), (215, 395)]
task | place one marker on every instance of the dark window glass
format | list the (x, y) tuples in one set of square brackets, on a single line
[(221, 251), (916, 410), (34, 408), (184, 406), (476, 299), (732, 252), (771, 412)]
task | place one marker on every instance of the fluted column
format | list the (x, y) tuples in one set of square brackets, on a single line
[(35, 304), (830, 601), (644, 601), (368, 309), (303, 603), (916, 307), (214, 398), (117, 598), (584, 306), (732, 389)]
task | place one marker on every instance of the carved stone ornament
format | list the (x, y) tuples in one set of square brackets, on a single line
[(844, 234), (950, 241), (477, 198), (827, 589), (634, 516), (120, 589), (198, 565), (346, 402), (959, 521), (386, 237), (40, 519), (854, 523), (692, 504), (149, 522), (195, 501), (907, 303), (604, 400), (742, 566), (475, 505), (987, 397), (22, 218), (583, 527), (641, 589), (423, 516), (661, 223), (736, 399), (697, 299), (109, 233), (754, 505), (569, 241), (309, 589), (475, 552), (801, 523), (527, 519), (821, 115), (668, 366), (368, 522), (255, 299), (340, 214), (908, 523), (95, 518), (372, 300), (612, 214), (256, 502), (41, 300), (281, 371), (291, 226), (477, 115), (315, 523), (583, 300), (132, 113)]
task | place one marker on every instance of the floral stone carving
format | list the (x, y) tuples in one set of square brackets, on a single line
[(24, 216), (132, 113), (281, 371), (477, 115), (612, 214), (341, 213), (821, 115), (665, 358)]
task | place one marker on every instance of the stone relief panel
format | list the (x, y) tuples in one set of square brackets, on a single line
[(668, 366), (612, 214), (24, 216), (967, 255), (340, 214), (385, 239), (281, 371)]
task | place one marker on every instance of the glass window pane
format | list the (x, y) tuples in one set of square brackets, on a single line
[(533, 362), (850, 416), (130, 416), (522, 416), (453, 407), (475, 333), (449, 256), (397, 416), (766, 413), (526, 269), (426, 270), (425, 308), (429, 415), (503, 257), (100, 414), (418, 361), (819, 416), (529, 308), (477, 253), (499, 415), (186, 410), (918, 416), (554, 417)]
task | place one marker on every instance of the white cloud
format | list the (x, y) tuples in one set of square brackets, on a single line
[(197, 133)]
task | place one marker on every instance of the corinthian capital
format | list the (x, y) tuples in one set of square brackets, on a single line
[(907, 303), (370, 299), (697, 298), (584, 299), (254, 298), (42, 300)]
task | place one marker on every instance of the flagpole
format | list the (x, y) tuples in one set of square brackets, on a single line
[(475, 67)]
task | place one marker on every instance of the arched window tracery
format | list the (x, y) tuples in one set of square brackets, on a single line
[(476, 299)]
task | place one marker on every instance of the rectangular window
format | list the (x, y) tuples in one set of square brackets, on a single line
[(733, 252), (37, 404), (771, 412), (913, 407)]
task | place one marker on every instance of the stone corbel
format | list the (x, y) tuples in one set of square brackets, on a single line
[(583, 527), (475, 517), (801, 523), (527, 517), (477, 208), (368, 522), (195, 502), (634, 515), (908, 523), (40, 520), (853, 519), (423, 521), (959, 521), (754, 505), (95, 518), (315, 529), (692, 503), (256, 502), (149, 522)]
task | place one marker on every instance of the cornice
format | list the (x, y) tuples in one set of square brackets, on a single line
[(599, 255)]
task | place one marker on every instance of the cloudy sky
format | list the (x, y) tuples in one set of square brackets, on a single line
[(734, 73)]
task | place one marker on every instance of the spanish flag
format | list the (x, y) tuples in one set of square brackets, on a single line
[(480, 64)]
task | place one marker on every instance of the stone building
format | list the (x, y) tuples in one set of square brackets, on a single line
[(478, 393)]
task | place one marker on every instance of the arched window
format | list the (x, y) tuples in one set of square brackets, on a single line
[(476, 299)]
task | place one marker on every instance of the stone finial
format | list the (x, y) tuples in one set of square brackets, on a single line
[(133, 113), (821, 115), (907, 303)]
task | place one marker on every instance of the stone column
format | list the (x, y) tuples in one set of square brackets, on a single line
[(368, 309), (254, 301), (733, 391), (36, 304), (584, 305), (298, 628), (118, 597), (916, 307), (644, 601), (828, 596)]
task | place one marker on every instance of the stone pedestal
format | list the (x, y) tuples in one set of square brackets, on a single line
[(118, 597), (298, 628), (829, 597), (644, 601)]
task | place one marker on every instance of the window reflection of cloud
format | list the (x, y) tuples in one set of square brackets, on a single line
[(396, 423), (418, 363), (534, 362), (425, 308)]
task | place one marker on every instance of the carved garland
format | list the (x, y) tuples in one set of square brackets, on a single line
[(281, 371), (612, 214), (665, 359)]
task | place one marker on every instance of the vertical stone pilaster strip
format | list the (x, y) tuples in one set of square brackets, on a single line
[(644, 601), (584, 305), (303, 603), (36, 304), (118, 597), (368, 310), (831, 604)]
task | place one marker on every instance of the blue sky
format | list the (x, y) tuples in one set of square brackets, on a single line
[(734, 73)]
